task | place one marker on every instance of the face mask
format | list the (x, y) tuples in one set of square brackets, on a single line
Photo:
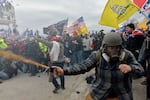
[(114, 56), (113, 53)]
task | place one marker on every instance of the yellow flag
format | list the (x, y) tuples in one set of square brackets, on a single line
[(142, 25), (117, 11), (83, 30)]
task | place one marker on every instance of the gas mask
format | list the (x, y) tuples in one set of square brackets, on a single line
[(113, 55)]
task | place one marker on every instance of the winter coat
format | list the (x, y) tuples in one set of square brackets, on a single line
[(108, 76)]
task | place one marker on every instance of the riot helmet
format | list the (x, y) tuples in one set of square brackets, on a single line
[(112, 39)]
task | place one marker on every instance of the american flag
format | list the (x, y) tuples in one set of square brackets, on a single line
[(78, 26), (145, 10)]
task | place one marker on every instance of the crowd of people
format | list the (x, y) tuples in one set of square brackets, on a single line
[(27, 45), (116, 57)]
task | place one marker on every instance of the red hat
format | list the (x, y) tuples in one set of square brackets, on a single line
[(75, 33), (55, 38)]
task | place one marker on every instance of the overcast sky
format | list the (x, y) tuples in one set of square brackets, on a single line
[(37, 14)]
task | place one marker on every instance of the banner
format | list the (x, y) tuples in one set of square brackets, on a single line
[(60, 26), (145, 9), (79, 26), (139, 3), (52, 30), (56, 29), (116, 12), (146, 6)]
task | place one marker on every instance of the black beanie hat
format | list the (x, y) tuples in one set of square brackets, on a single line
[(131, 25)]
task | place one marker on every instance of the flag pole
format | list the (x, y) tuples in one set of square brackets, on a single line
[(142, 12)]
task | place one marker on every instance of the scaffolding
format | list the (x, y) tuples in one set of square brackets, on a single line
[(7, 14)]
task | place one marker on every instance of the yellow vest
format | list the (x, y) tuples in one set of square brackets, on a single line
[(3, 45), (43, 47)]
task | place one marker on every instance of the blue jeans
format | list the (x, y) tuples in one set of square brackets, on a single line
[(3, 75), (26, 68), (86, 54), (62, 79), (77, 57)]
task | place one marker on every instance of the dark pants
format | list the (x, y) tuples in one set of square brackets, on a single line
[(19, 66), (148, 84), (86, 54), (148, 79), (77, 57), (62, 79), (33, 69)]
